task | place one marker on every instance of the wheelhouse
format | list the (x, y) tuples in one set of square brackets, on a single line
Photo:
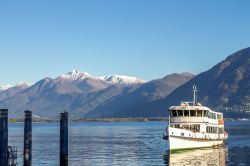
[(195, 113)]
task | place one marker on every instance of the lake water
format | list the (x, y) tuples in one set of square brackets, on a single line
[(127, 143)]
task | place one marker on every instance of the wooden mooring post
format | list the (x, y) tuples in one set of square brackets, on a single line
[(27, 148), (64, 139), (3, 137)]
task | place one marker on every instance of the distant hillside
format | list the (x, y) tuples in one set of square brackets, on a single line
[(225, 87), (135, 104), (11, 91)]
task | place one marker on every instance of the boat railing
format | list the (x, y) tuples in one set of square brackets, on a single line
[(165, 134), (180, 132), (12, 156)]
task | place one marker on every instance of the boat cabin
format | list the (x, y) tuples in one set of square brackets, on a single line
[(194, 111), (196, 118)]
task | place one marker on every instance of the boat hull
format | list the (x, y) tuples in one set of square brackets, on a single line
[(180, 143)]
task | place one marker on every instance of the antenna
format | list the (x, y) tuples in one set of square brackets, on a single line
[(194, 95)]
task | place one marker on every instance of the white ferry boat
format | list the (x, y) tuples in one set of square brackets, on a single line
[(192, 125)]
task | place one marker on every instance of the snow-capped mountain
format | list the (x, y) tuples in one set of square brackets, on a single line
[(116, 79), (122, 80), (75, 75), (79, 82), (5, 87), (13, 90), (80, 92), (22, 85)]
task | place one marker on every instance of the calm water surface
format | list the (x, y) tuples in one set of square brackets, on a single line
[(127, 143)]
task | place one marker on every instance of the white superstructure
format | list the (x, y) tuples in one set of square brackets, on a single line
[(192, 125)]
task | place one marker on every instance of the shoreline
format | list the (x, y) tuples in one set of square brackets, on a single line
[(139, 119)]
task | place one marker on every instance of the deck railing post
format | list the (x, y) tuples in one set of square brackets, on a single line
[(27, 149), (64, 139), (3, 137)]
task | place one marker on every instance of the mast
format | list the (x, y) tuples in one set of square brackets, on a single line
[(194, 95)]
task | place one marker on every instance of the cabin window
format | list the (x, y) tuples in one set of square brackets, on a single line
[(221, 130), (174, 113), (170, 113), (209, 115), (186, 113), (212, 129), (219, 116), (209, 129), (195, 128), (180, 112), (177, 126), (192, 112), (214, 116), (192, 127), (185, 127), (199, 113), (205, 113)]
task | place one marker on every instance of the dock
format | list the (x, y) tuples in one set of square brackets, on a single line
[(8, 154)]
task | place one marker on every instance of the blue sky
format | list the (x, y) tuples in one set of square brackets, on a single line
[(144, 38)]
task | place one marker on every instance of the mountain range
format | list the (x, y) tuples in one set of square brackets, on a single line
[(225, 87), (82, 94)]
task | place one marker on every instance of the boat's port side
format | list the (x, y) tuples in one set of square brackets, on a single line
[(187, 134), (179, 143)]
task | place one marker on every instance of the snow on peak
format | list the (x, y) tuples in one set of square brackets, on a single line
[(122, 80), (18, 85), (5, 87), (23, 84), (75, 75)]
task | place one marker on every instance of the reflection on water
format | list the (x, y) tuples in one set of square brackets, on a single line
[(209, 156)]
